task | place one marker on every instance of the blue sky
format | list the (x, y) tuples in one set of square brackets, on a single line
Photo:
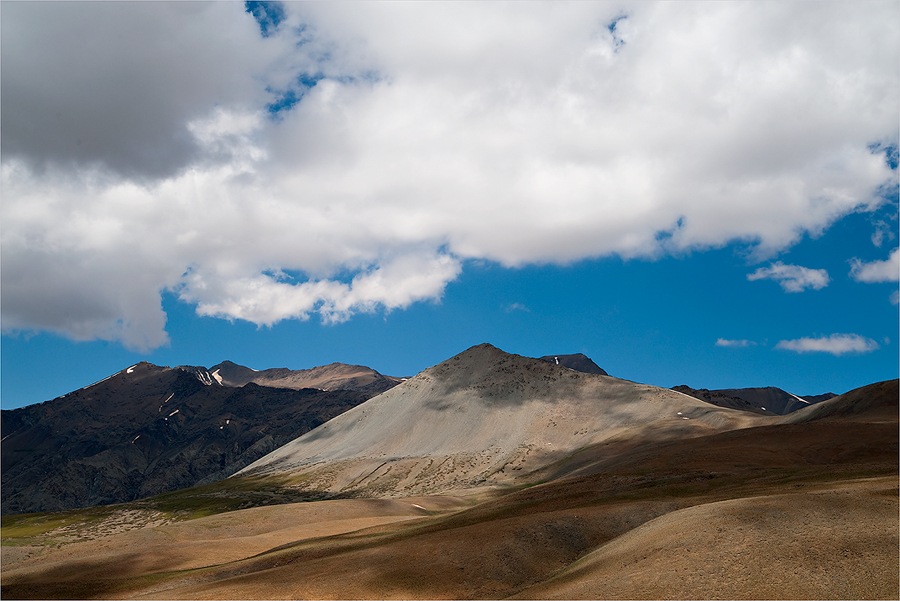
[(389, 184)]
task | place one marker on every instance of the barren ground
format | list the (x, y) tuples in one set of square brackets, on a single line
[(785, 510)]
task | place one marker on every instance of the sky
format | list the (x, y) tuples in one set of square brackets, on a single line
[(688, 193)]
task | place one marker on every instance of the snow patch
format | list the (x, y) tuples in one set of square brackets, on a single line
[(419, 506), (168, 399), (173, 413), (130, 369), (684, 395), (799, 399), (135, 438), (763, 408), (218, 378)]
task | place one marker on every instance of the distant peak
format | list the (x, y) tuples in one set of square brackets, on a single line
[(578, 362)]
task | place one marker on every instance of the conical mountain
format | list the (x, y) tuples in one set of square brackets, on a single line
[(484, 418)]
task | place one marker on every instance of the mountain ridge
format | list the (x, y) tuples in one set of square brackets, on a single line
[(148, 429), (768, 400)]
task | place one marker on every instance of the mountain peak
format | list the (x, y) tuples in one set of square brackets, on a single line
[(578, 362)]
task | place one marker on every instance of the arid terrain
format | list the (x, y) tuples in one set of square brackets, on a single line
[(646, 493)]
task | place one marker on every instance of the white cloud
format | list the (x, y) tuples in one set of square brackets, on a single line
[(516, 307), (734, 343), (138, 156), (877, 271), (836, 344), (793, 278), (895, 297)]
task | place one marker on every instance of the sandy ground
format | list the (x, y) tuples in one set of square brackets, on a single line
[(829, 544), (826, 540), (213, 540)]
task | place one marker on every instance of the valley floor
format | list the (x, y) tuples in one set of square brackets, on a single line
[(818, 534), (787, 510)]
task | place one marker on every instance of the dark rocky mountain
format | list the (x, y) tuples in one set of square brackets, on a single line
[(765, 401), (578, 362), (150, 429)]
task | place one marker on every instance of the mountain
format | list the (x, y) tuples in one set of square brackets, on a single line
[(336, 376), (578, 362), (765, 401), (150, 429), (739, 506), (483, 418)]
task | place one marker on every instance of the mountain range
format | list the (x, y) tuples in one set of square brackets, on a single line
[(765, 401), (149, 429), (489, 475)]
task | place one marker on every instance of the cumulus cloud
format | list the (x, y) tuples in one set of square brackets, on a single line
[(793, 278), (877, 271), (734, 343), (836, 344), (329, 161)]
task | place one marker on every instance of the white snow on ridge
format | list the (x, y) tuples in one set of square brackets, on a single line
[(174, 412), (99, 381), (218, 378), (799, 399), (135, 438), (130, 369), (682, 394), (168, 399)]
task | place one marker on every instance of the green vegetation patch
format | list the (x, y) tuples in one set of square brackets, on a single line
[(39, 528)]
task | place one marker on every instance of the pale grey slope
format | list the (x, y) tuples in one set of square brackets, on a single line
[(483, 418)]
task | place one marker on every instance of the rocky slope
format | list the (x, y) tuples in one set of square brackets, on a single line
[(484, 418), (150, 429)]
